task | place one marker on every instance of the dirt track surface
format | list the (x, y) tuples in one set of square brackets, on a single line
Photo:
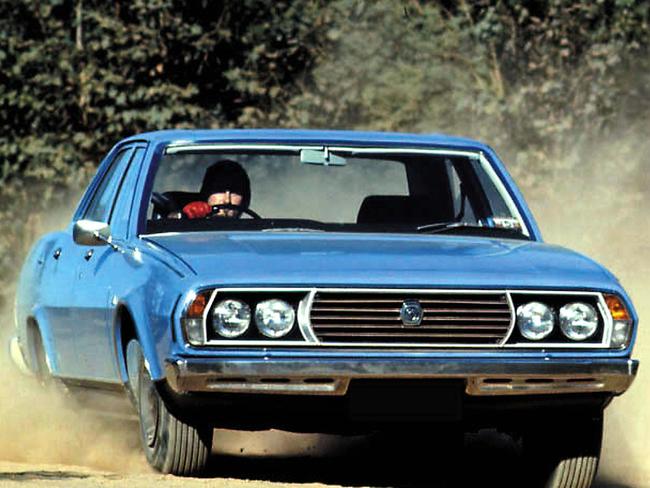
[(485, 458)]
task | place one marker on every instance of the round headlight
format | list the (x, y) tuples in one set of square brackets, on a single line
[(578, 321), (231, 318), (274, 318), (535, 320)]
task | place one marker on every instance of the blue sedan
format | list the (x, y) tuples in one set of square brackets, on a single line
[(324, 281)]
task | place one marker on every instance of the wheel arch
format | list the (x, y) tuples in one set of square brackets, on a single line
[(128, 325)]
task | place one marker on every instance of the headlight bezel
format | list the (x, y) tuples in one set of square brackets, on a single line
[(557, 299), (252, 336)]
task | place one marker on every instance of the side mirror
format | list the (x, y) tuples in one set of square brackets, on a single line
[(91, 233)]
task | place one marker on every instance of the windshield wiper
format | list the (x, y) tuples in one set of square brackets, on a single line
[(443, 226), (291, 229), (439, 227)]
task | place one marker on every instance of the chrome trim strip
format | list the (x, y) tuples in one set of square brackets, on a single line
[(446, 291), (518, 385), (208, 307), (159, 234), (192, 147), (609, 320), (405, 150), (189, 147), (336, 387), (513, 320), (304, 320)]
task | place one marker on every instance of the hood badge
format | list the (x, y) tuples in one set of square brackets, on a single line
[(411, 313)]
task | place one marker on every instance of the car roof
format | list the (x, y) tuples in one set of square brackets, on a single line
[(302, 136)]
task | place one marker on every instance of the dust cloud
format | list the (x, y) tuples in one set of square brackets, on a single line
[(587, 216), (43, 424)]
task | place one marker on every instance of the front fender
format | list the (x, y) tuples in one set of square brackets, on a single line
[(153, 330)]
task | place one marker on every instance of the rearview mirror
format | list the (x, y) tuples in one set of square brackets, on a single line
[(321, 156), (91, 233)]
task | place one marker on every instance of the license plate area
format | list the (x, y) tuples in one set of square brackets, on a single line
[(405, 400)]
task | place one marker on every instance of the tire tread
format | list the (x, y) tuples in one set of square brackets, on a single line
[(180, 448), (578, 472)]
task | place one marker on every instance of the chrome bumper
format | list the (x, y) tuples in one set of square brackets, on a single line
[(332, 376)]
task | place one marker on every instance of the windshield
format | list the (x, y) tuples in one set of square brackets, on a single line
[(326, 190)]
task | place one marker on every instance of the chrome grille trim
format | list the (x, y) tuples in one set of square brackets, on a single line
[(450, 317)]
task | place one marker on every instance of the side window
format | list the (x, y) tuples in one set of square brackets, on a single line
[(122, 202), (101, 202)]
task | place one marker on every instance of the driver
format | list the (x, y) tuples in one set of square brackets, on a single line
[(224, 183)]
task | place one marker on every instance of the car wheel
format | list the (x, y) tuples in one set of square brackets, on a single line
[(172, 445), (39, 360), (566, 453)]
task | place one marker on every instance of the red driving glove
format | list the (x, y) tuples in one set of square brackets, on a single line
[(197, 210)]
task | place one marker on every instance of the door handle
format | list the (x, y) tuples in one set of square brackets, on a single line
[(57, 253), (88, 255)]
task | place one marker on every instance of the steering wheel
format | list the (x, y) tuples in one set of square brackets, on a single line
[(163, 202), (227, 206)]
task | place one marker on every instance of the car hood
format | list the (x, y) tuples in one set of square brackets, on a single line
[(375, 260)]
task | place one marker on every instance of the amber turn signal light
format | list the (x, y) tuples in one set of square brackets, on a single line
[(197, 307), (616, 308)]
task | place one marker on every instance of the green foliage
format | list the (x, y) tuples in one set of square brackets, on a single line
[(545, 82), (76, 76)]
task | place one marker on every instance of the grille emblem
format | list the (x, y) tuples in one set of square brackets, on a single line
[(411, 312)]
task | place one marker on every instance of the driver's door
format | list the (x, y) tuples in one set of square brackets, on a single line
[(89, 300)]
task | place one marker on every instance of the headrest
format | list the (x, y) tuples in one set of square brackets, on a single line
[(403, 209)]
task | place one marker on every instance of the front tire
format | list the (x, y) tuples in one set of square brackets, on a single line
[(38, 361), (171, 444), (565, 454)]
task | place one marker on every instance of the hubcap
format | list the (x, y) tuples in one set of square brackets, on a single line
[(149, 409)]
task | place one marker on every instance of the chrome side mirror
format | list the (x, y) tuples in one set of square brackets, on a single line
[(91, 233)]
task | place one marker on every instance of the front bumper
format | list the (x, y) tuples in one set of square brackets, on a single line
[(332, 376)]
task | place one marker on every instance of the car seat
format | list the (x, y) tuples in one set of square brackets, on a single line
[(404, 209)]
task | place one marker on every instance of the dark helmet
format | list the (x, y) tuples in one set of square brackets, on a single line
[(226, 175)]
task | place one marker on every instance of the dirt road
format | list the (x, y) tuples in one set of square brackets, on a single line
[(305, 461)]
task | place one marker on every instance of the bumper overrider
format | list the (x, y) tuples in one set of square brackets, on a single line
[(332, 376)]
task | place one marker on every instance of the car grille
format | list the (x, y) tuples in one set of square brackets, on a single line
[(374, 318)]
